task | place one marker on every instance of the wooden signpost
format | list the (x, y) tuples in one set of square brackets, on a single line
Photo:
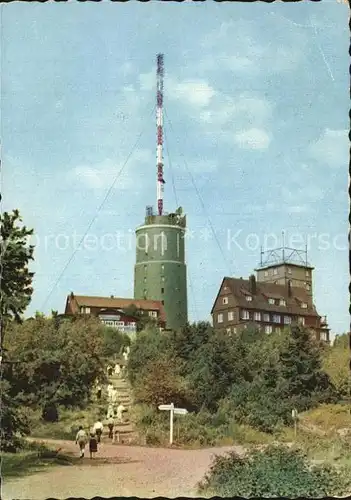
[(173, 411)]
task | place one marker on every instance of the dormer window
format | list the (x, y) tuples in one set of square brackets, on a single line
[(248, 298), (271, 301), (225, 300), (282, 302), (303, 305)]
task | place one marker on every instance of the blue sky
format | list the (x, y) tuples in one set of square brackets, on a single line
[(256, 128)]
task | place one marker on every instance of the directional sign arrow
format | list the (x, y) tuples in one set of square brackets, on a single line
[(180, 411), (165, 407)]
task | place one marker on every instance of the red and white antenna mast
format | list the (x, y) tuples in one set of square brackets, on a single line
[(159, 121)]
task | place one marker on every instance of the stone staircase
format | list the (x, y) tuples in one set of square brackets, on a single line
[(124, 432)]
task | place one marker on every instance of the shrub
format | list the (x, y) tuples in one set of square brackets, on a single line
[(274, 472)]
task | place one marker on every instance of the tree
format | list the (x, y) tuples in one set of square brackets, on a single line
[(16, 280), (149, 345), (15, 295), (335, 362), (58, 363), (162, 383)]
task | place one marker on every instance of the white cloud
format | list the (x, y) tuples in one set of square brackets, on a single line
[(195, 92), (332, 148), (103, 174), (247, 50), (253, 138)]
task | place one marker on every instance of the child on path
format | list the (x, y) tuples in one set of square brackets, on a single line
[(92, 445), (81, 440)]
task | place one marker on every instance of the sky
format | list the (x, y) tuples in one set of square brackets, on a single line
[(256, 140)]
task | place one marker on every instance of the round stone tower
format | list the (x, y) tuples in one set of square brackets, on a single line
[(160, 269)]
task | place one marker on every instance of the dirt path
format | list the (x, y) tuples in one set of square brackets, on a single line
[(119, 471)]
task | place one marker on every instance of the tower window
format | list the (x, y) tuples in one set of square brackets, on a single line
[(144, 279), (163, 302), (162, 278), (162, 290), (145, 267), (162, 268)]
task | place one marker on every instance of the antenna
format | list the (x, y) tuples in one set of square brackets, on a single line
[(159, 124)]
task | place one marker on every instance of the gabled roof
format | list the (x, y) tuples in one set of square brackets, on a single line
[(239, 288), (115, 303)]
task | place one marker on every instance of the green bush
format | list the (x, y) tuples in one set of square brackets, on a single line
[(274, 472)]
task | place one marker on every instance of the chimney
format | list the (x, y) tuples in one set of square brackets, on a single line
[(252, 284), (289, 289), (72, 295)]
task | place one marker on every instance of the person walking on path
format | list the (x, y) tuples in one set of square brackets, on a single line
[(98, 428), (93, 447), (110, 424), (120, 410), (81, 440)]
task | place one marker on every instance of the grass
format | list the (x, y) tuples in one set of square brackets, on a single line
[(68, 424), (328, 418), (34, 458)]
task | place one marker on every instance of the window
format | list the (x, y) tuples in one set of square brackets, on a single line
[(230, 316), (271, 301), (308, 286), (266, 273), (145, 267), (248, 298), (275, 271), (162, 290), (266, 317), (162, 278), (289, 270), (303, 305), (268, 329), (307, 274), (276, 318), (163, 302), (282, 302), (301, 320), (257, 316), (153, 314), (228, 330), (245, 314), (278, 329), (234, 329), (144, 279), (162, 267), (145, 293), (220, 318), (324, 336), (287, 320), (225, 289), (225, 300)]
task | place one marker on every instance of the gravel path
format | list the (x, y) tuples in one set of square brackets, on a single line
[(118, 471)]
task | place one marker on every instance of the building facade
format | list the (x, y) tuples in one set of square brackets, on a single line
[(268, 306), (160, 271), (112, 311)]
